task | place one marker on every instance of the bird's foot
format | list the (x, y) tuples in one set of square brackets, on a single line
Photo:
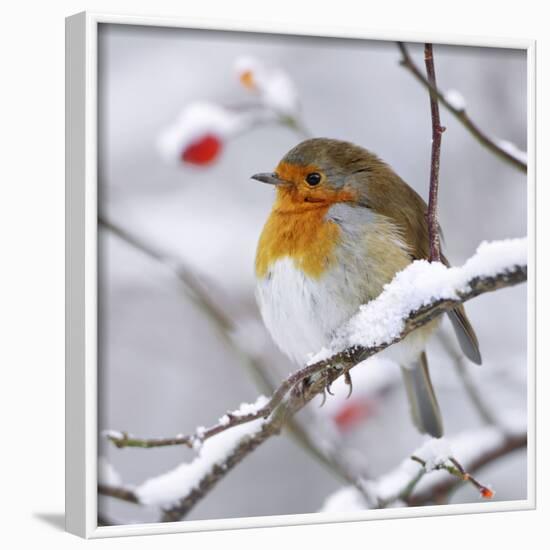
[(302, 386)]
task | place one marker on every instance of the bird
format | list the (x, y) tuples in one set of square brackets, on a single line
[(342, 224)]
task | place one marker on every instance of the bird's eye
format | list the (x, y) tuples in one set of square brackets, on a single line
[(314, 178)]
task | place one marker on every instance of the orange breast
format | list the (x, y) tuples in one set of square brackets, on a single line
[(299, 233)]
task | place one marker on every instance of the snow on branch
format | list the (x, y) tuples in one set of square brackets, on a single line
[(247, 412), (167, 488), (422, 291), (456, 105), (418, 294), (433, 470)]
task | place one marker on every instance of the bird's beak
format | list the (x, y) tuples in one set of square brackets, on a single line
[(268, 177)]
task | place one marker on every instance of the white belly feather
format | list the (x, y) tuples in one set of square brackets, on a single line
[(300, 312)]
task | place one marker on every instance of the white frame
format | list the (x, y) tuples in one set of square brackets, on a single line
[(81, 278)]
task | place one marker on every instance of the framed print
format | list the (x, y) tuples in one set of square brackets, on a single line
[(297, 275)]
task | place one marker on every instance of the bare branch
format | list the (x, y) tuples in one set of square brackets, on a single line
[(435, 492), (483, 446), (193, 283), (456, 469), (229, 420), (462, 115), (437, 131)]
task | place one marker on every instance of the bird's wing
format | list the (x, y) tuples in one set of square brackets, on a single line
[(464, 331), (405, 213)]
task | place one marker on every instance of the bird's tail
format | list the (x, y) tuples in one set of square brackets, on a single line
[(422, 401)]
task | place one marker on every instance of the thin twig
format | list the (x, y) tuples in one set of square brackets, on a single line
[(434, 493), (193, 284), (402, 483), (121, 439), (437, 131), (462, 115), (457, 470)]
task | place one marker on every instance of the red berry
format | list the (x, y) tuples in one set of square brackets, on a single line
[(487, 493), (202, 151), (351, 414)]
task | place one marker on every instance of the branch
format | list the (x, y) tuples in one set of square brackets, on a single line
[(435, 491), (192, 282), (218, 471), (261, 409), (437, 130), (414, 485), (457, 470), (462, 115), (302, 386)]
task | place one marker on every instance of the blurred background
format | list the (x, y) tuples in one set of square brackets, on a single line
[(167, 367)]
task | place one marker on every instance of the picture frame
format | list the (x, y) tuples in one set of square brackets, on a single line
[(82, 280)]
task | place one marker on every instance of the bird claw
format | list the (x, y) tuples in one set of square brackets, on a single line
[(347, 380), (326, 390), (302, 386)]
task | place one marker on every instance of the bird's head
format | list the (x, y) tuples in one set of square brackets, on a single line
[(322, 171)]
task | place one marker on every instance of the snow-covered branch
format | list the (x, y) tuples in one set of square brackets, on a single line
[(245, 413), (432, 471), (421, 292), (456, 105), (417, 295)]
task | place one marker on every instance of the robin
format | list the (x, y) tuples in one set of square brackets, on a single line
[(342, 225)]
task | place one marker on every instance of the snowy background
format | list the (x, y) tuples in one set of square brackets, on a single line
[(164, 369)]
